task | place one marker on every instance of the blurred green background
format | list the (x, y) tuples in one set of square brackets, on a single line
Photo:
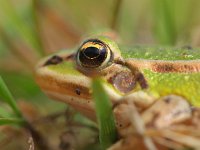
[(31, 29)]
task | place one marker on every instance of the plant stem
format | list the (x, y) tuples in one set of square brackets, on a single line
[(116, 14), (57, 21), (40, 141), (36, 4), (28, 62)]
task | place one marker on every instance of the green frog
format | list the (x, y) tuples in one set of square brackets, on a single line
[(142, 73)]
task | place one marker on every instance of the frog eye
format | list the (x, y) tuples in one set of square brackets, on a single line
[(94, 54)]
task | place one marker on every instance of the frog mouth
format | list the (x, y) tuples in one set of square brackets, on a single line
[(66, 84), (68, 89), (61, 81), (84, 106)]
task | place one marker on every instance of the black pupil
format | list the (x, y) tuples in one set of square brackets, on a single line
[(91, 52), (92, 56)]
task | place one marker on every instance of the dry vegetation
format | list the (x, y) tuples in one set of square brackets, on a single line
[(30, 29)]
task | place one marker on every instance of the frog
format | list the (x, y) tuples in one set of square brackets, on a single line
[(143, 73)]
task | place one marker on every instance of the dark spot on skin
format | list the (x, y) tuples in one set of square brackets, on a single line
[(185, 67), (78, 91), (165, 68), (54, 60), (70, 57), (167, 100), (142, 81), (119, 125), (188, 67), (169, 67)]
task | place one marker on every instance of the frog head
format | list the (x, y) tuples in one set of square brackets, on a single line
[(67, 75)]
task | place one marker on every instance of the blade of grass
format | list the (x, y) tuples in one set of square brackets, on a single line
[(165, 28), (6, 121), (10, 17), (9, 43), (62, 26), (35, 4), (4, 113), (116, 12), (8, 98), (105, 117)]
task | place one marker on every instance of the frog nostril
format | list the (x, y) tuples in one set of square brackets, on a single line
[(78, 91), (54, 60)]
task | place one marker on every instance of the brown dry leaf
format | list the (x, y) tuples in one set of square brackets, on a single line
[(177, 134)]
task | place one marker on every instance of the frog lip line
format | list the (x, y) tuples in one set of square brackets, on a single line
[(46, 77), (63, 87), (166, 66), (84, 106)]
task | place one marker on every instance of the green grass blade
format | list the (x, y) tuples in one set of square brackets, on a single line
[(8, 98), (6, 121), (35, 4), (10, 17), (105, 117), (4, 113), (165, 27)]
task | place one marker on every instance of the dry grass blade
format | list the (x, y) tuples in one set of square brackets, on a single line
[(10, 16), (31, 143), (168, 144), (180, 134), (184, 129), (35, 5), (116, 14), (58, 22), (181, 138), (23, 56), (8, 98), (138, 123)]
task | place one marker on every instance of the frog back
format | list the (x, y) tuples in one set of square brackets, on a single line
[(168, 70), (160, 53)]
